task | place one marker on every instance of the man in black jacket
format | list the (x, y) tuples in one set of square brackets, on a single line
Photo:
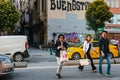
[(104, 53)]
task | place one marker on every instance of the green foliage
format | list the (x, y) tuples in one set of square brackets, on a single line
[(97, 13), (1, 1), (9, 15)]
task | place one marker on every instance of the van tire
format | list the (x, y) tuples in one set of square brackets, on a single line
[(18, 57), (76, 56)]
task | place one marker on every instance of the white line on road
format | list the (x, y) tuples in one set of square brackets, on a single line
[(49, 67), (44, 67)]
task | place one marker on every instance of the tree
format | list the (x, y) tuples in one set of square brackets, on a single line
[(4, 0), (1, 1), (9, 15), (96, 15)]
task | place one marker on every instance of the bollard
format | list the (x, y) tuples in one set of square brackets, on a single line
[(20, 64)]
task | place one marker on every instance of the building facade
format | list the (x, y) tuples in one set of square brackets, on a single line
[(67, 16), (114, 27), (38, 22), (47, 21), (22, 6), (59, 16), (48, 18), (32, 21)]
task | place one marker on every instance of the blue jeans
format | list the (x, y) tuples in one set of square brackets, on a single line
[(108, 58), (52, 50)]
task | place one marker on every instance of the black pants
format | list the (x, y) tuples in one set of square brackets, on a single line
[(91, 60)]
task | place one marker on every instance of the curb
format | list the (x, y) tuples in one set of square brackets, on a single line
[(96, 61)]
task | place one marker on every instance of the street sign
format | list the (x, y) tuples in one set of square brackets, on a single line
[(101, 29)]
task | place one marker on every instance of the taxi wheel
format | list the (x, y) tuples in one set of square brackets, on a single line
[(76, 56)]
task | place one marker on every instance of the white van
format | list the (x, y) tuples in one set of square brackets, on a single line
[(15, 47)]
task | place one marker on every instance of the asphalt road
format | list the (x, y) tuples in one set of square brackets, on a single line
[(42, 66), (47, 72)]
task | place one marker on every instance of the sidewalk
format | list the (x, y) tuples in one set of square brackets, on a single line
[(96, 61), (36, 51), (46, 54)]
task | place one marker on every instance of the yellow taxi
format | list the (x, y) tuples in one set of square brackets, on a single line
[(77, 52)]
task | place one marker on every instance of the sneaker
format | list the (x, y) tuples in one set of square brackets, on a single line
[(102, 74), (94, 70), (80, 68), (58, 76), (108, 75)]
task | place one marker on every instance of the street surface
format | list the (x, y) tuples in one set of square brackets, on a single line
[(42, 66)]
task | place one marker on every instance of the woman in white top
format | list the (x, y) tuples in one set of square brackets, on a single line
[(86, 48)]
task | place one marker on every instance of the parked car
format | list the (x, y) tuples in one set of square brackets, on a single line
[(77, 52), (15, 47), (6, 65)]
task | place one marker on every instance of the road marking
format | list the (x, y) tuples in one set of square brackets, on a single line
[(50, 67), (43, 67)]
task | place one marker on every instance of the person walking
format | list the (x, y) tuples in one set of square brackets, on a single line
[(52, 45), (60, 45), (104, 53), (86, 48), (114, 41)]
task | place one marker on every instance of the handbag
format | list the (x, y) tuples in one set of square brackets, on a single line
[(71, 63), (84, 62), (63, 56)]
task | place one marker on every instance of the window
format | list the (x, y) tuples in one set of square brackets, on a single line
[(43, 5), (35, 3), (108, 3), (113, 3), (116, 19), (117, 3)]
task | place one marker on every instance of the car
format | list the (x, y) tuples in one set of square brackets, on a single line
[(6, 65), (15, 47), (77, 52)]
